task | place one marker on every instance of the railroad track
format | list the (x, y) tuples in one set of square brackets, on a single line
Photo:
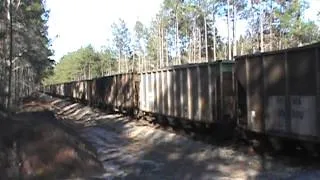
[(198, 133), (251, 145)]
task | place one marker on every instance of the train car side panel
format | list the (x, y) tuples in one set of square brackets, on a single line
[(192, 92), (275, 89), (178, 94), (204, 105), (282, 90), (229, 93), (143, 89), (302, 91)]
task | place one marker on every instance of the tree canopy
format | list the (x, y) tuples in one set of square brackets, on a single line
[(84, 63), (24, 48), (186, 31)]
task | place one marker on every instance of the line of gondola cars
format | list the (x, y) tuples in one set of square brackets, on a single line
[(116, 91), (274, 93)]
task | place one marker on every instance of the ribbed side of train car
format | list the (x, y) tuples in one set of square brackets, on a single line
[(63, 89), (279, 92), (79, 90), (115, 91), (76, 90), (202, 92)]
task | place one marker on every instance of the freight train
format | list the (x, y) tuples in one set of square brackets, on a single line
[(276, 93)]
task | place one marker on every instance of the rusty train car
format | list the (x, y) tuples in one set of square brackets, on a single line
[(279, 93), (117, 91), (273, 93)]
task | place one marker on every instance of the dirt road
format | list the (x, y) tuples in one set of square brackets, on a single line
[(65, 140), (35, 146), (130, 151)]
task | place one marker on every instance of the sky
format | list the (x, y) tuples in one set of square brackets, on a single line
[(77, 23)]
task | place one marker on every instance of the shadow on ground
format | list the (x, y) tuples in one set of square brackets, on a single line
[(35, 146), (129, 151)]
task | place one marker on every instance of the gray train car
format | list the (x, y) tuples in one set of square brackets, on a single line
[(279, 92), (202, 92)]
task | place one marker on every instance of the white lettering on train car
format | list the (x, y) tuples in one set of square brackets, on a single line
[(275, 113), (151, 96), (303, 113)]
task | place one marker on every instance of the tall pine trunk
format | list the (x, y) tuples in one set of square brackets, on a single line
[(119, 62), (194, 42), (126, 62), (177, 40), (234, 29), (189, 46), (167, 48), (261, 30), (10, 57), (270, 24), (206, 36), (159, 48), (199, 43), (228, 24), (162, 45), (214, 38)]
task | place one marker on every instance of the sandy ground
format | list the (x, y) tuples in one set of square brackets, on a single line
[(128, 150)]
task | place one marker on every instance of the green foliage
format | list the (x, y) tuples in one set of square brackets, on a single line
[(183, 26), (190, 15), (141, 35), (85, 63), (122, 37), (283, 24), (152, 40), (26, 50)]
